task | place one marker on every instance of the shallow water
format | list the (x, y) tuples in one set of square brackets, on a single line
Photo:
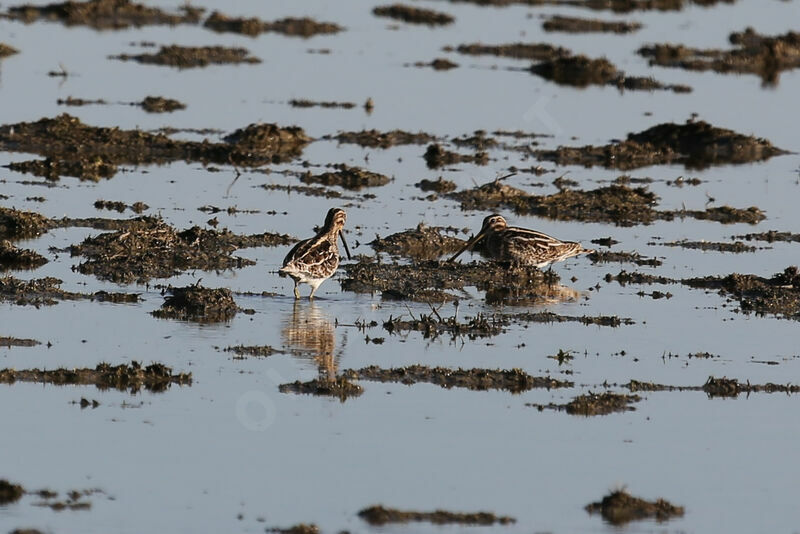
[(195, 458)]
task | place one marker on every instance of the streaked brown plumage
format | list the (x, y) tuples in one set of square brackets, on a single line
[(314, 260), (521, 245)]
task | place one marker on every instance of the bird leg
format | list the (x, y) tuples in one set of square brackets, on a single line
[(296, 291)]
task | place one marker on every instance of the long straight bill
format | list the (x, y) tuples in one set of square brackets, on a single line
[(347, 250), (469, 245)]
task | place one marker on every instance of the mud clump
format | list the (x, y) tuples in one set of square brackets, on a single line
[(17, 342), (300, 528), (438, 64), (200, 304), (514, 380), (579, 71), (427, 281), (532, 51), (421, 243), (594, 404), (16, 224), (104, 14), (716, 387), (765, 56), (779, 295), (65, 140), (351, 178), (726, 215), (549, 317), (695, 144), (736, 247), (136, 207), (559, 23), (300, 27), (339, 387), (436, 156), (10, 492), (302, 103), (155, 377), (619, 6), (93, 168), (380, 515), (261, 351), (158, 104), (6, 50), (623, 257), (414, 15), (12, 257), (147, 247), (439, 186), (432, 327), (187, 57), (376, 139), (619, 508)]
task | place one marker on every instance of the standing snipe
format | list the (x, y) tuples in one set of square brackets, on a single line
[(314, 260), (520, 245)]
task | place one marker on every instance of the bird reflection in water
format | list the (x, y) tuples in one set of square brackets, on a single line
[(310, 333), (532, 295)]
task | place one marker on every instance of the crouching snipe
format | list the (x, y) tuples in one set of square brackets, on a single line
[(520, 245), (314, 260)]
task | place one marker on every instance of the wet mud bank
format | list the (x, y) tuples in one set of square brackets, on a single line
[(421, 243), (198, 304), (715, 387), (296, 27), (763, 55), (437, 156), (340, 387), (695, 144), (147, 248), (380, 515), (593, 404), (9, 342), (513, 380), (620, 507), (6, 50), (47, 292), (131, 377), (14, 258), (104, 14), (377, 139), (617, 204), (414, 15), (351, 178), (560, 23), (65, 140), (187, 57)]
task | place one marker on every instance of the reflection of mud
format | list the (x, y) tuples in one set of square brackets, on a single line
[(380, 515), (309, 332), (47, 292), (619, 507), (352, 178), (594, 404), (12, 257), (534, 295), (438, 156), (414, 15), (376, 139)]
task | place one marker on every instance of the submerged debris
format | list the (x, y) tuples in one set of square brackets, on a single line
[(438, 64), (376, 139), (104, 14), (12, 257), (300, 27), (66, 141), (414, 15), (600, 256), (422, 243), (594, 404), (195, 303), (771, 236), (696, 144), (380, 515), (619, 507), (716, 387), (262, 351), (558, 23), (514, 380), (147, 247), (352, 178), (339, 386), (437, 156), (431, 327), (303, 103), (736, 247), (154, 377), (765, 56), (186, 57), (779, 295)]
